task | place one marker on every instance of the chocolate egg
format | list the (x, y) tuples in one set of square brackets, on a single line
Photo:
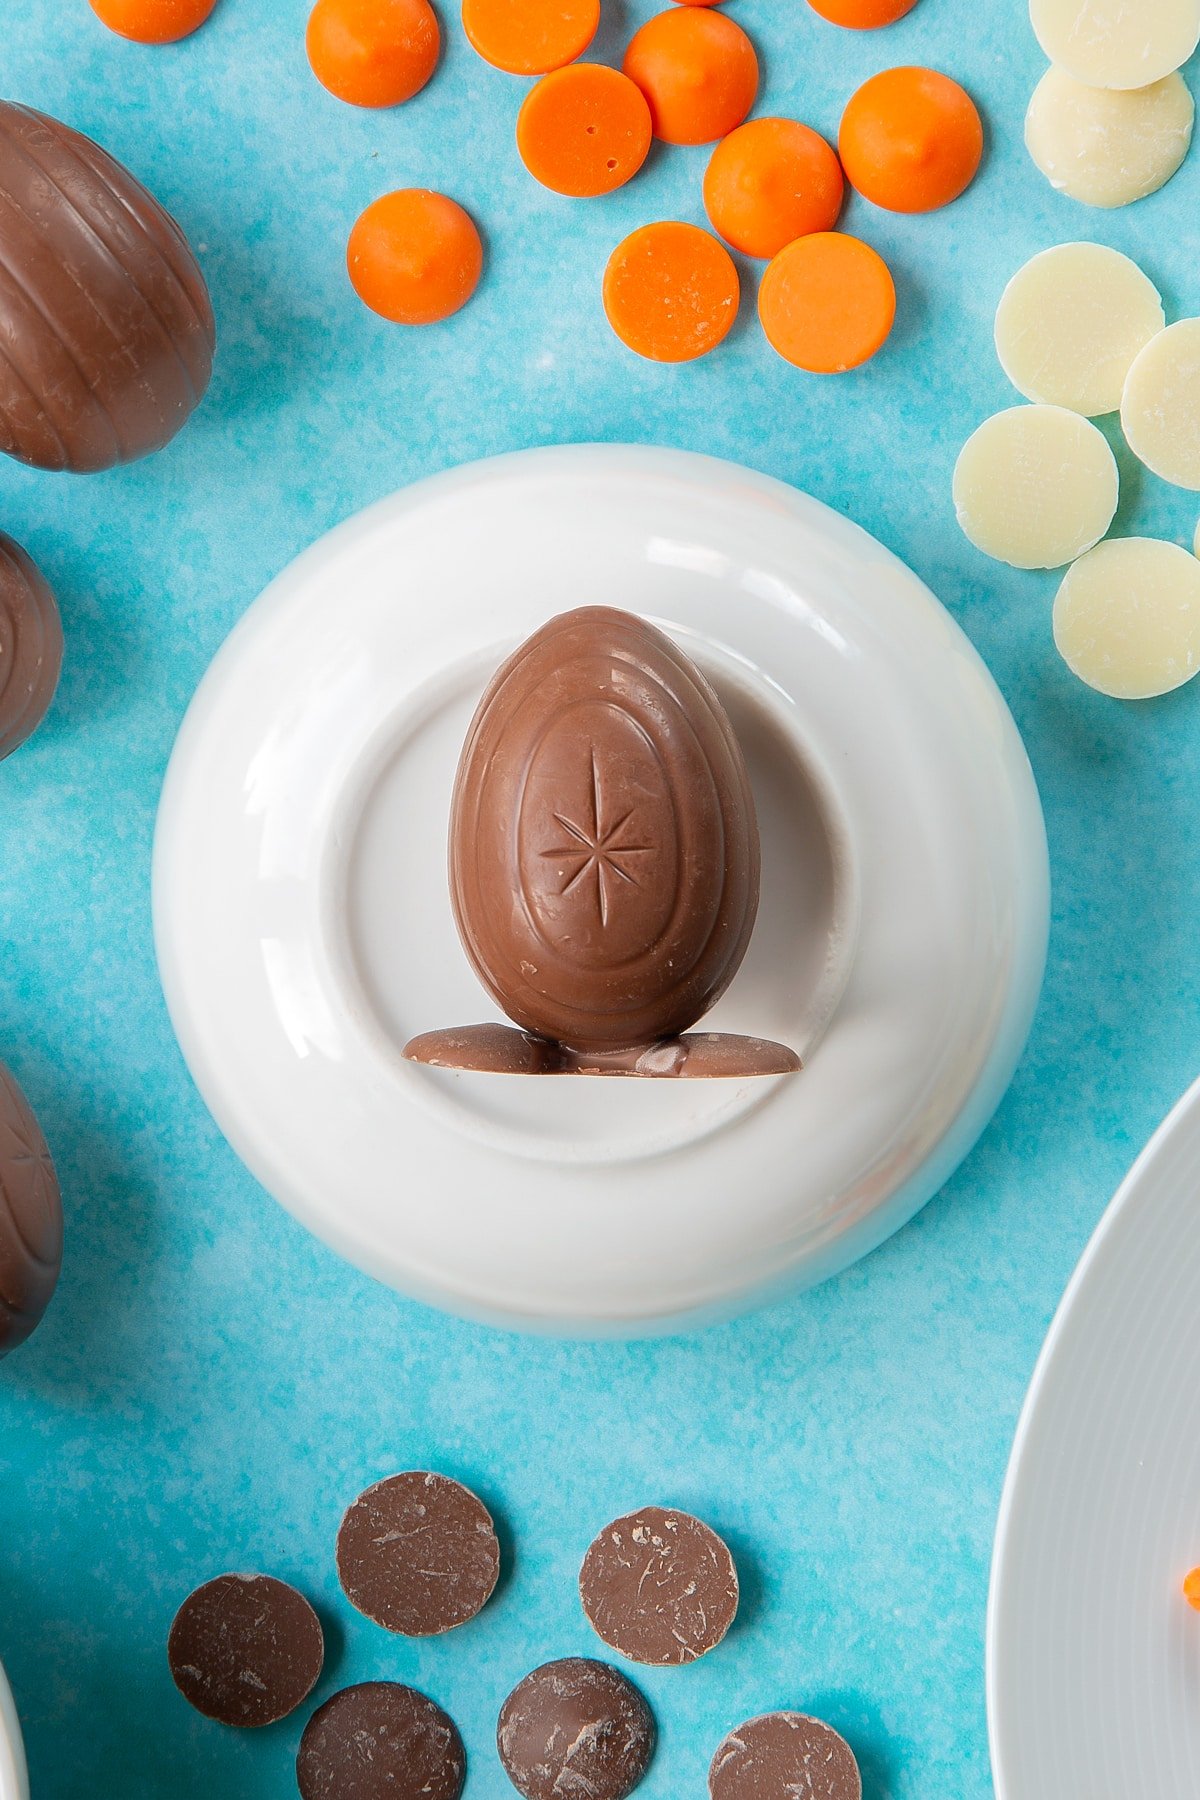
[(604, 859), (30, 1218), (31, 646), (106, 329)]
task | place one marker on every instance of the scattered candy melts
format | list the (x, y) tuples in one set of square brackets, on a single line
[(1107, 147), (414, 257), (770, 181), (373, 52), (152, 21), (1127, 618), (698, 71), (1160, 408), (1035, 487), (671, 291), (530, 37), (584, 130), (911, 140), (1070, 324), (827, 303), (862, 15), (1126, 45)]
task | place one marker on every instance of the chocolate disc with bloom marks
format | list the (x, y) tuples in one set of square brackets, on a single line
[(659, 1586), (380, 1741), (575, 1728), (784, 1756), (246, 1649), (418, 1553)]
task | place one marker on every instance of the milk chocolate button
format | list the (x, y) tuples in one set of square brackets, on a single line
[(782, 1755), (575, 1728), (380, 1741), (418, 1554), (660, 1587), (246, 1649)]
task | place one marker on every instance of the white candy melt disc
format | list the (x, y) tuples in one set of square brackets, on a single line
[(1036, 486), (1070, 324), (1127, 618), (1105, 147), (1117, 43), (1160, 408)]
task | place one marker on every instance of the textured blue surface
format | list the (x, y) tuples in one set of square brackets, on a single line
[(212, 1386)]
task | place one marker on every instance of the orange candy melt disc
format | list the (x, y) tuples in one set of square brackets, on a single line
[(827, 303), (373, 52), (152, 21), (770, 181), (862, 15), (584, 130), (414, 257), (530, 37), (1191, 1589), (671, 292), (697, 69), (911, 140)]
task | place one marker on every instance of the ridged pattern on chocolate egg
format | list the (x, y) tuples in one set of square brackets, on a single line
[(30, 1218), (604, 858), (106, 328), (31, 646)]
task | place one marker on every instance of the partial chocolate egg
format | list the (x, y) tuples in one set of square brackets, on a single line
[(31, 646), (106, 328), (30, 1218), (604, 858)]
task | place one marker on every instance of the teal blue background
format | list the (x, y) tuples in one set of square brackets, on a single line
[(212, 1386)]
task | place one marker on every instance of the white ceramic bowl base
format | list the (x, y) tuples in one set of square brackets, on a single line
[(14, 1782), (304, 928), (1093, 1653)]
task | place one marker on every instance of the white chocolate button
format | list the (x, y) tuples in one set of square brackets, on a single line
[(1070, 324), (1117, 43), (1127, 618), (1035, 487), (1105, 147), (1160, 408)]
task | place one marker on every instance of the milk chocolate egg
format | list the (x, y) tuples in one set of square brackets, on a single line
[(30, 1218), (31, 646), (106, 329), (604, 859)]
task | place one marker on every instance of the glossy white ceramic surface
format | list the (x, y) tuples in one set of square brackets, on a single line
[(1093, 1654), (304, 930), (14, 1784)]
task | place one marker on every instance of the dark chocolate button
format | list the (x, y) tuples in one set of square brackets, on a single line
[(105, 322), (246, 1649), (418, 1554), (782, 1755), (380, 1741), (31, 646), (575, 1728), (30, 1218), (660, 1587)]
